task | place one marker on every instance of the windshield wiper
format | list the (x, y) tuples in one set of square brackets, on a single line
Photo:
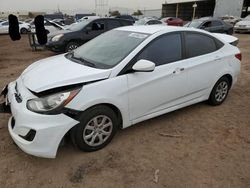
[(83, 61)]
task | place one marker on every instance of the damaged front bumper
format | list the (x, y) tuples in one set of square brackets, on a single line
[(36, 134)]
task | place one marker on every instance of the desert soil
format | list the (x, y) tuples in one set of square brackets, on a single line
[(212, 148)]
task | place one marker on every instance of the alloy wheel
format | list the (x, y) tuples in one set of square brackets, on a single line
[(221, 91), (97, 130)]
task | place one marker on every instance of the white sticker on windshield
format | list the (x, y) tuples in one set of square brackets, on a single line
[(138, 35)]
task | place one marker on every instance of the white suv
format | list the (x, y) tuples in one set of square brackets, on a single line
[(118, 79)]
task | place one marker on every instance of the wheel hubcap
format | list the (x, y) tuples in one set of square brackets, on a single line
[(221, 91), (72, 47), (97, 130)]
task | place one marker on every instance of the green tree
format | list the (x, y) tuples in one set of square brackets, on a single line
[(114, 13), (137, 13)]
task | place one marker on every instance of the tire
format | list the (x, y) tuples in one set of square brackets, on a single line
[(87, 135), (71, 46), (23, 31), (219, 92)]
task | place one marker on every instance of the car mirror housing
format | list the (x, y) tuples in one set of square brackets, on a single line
[(143, 66)]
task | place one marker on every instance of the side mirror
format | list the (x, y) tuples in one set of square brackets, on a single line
[(143, 66)]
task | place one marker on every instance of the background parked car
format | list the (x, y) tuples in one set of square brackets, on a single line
[(173, 21), (23, 27), (148, 21), (213, 25), (79, 33), (49, 26), (127, 17), (243, 26), (230, 19), (88, 17)]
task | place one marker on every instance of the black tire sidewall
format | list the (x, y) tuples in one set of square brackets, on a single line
[(212, 99), (85, 118)]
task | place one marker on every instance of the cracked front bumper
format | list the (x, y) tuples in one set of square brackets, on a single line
[(36, 134)]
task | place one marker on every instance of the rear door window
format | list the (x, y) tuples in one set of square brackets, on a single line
[(216, 23), (199, 44), (113, 24)]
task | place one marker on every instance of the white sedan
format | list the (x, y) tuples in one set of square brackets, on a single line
[(243, 25), (23, 27), (122, 77)]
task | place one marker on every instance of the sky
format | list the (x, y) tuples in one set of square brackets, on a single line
[(40, 5)]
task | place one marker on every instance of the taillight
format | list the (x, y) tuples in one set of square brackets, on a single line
[(238, 56)]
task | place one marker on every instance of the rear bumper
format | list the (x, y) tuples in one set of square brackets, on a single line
[(36, 134)]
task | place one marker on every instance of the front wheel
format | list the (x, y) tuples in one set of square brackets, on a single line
[(97, 127), (219, 92), (71, 46)]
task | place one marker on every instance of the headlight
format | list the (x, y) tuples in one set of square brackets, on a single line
[(57, 38), (52, 102)]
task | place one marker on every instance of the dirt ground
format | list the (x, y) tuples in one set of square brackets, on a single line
[(213, 149)]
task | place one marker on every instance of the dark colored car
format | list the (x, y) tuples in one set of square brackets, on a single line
[(173, 21), (127, 17), (81, 32), (212, 25)]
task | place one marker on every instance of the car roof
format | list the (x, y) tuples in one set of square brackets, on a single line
[(209, 19), (151, 29)]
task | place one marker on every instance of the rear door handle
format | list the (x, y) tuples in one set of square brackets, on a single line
[(217, 58), (178, 70)]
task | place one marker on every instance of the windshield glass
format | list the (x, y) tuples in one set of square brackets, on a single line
[(194, 24), (108, 49), (79, 25), (140, 22)]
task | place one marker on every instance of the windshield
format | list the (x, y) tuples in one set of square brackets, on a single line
[(195, 24), (79, 25), (108, 49), (140, 22)]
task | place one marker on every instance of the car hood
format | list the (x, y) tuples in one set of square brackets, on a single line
[(244, 22), (63, 31), (58, 71)]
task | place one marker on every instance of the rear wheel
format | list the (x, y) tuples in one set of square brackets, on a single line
[(97, 127), (219, 92), (71, 46)]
